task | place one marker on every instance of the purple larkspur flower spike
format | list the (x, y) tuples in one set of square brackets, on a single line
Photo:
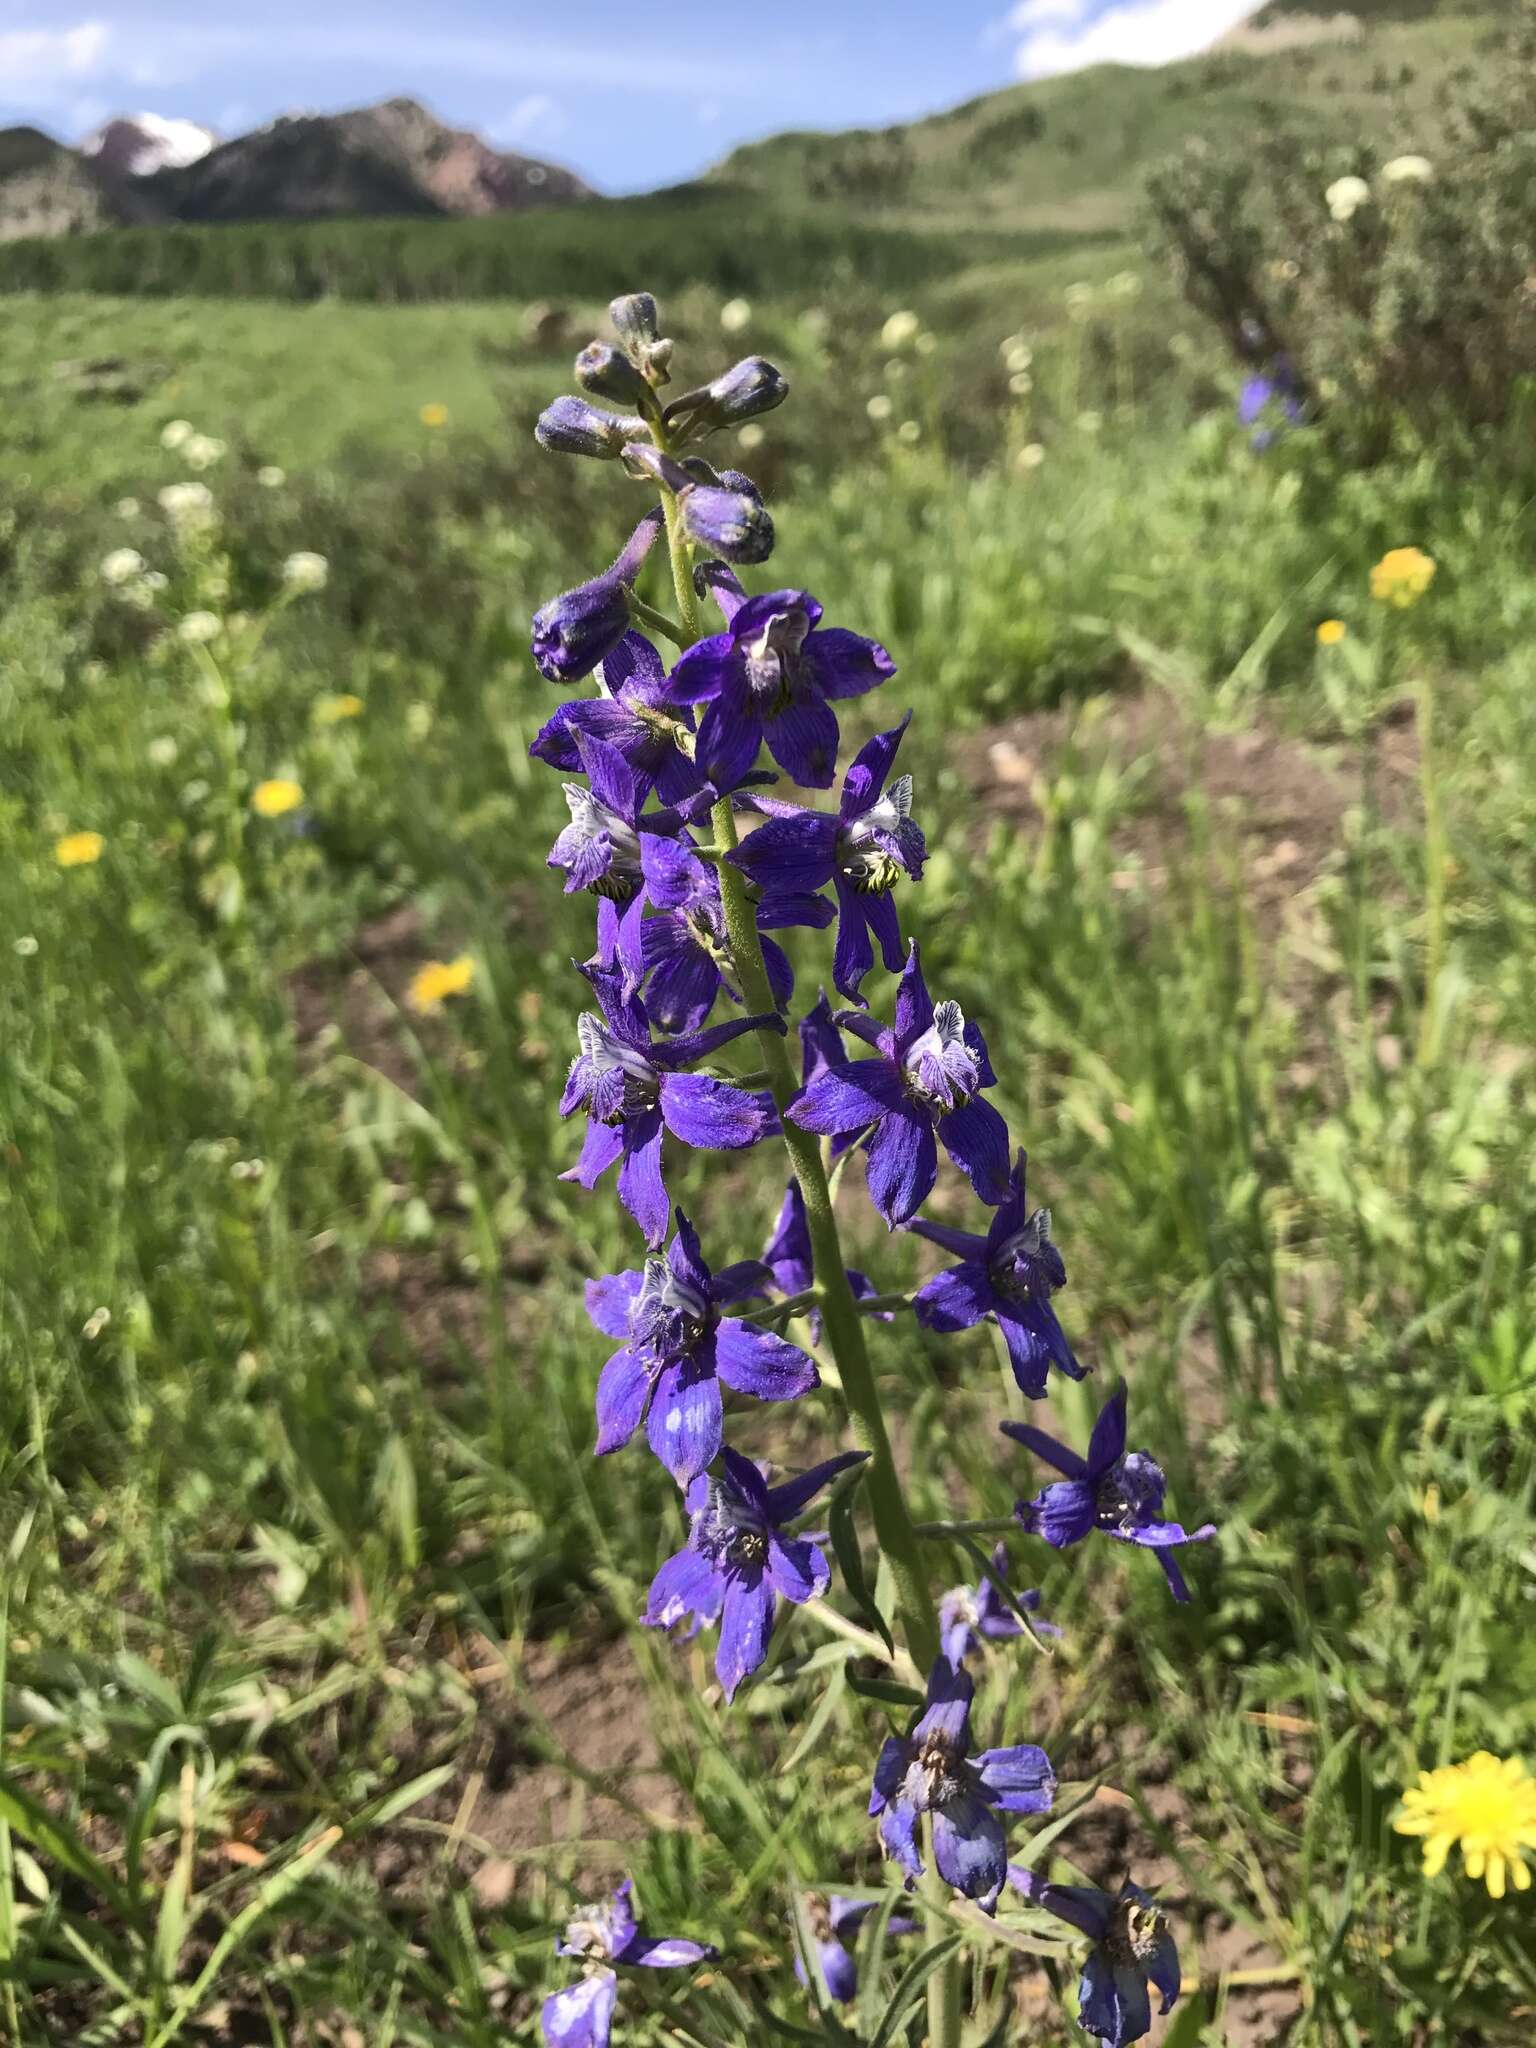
[(1111, 1489), (678, 1347), (616, 850), (862, 851), (925, 1079), (1133, 1953), (631, 715), (632, 1086), (835, 1924), (933, 1771), (971, 1615), (1009, 1275), (774, 675), (738, 1560), (573, 632), (581, 2016)]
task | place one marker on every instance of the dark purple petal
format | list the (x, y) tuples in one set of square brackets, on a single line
[(685, 981), (1165, 1535), (609, 1301), (745, 1479), (821, 1043), (1106, 1446), (804, 739), (1019, 1780), (744, 1280), (687, 1588), (788, 1253), (779, 913), (956, 1299), (976, 1138), (1035, 1340), (1082, 1906), (898, 1836), (640, 1184), (781, 976), (948, 1712), (713, 1115), (914, 1005), (685, 1255), (690, 1046), (612, 779), (790, 856), (684, 1424), (754, 1361), (970, 1849), (903, 1164), (581, 2016), (880, 914), (768, 605), (599, 1149), (965, 1244), (848, 1097), (890, 1768), (846, 664), (871, 765), (1046, 1447), (635, 671), (797, 1568), (702, 669), (622, 1387), (839, 1971), (746, 1623), (555, 741), (730, 734), (1063, 1513), (853, 955), (791, 1497)]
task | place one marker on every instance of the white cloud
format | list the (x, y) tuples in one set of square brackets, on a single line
[(1064, 35), (48, 63), (535, 118)]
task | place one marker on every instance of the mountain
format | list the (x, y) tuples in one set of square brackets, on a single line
[(138, 145), (393, 159)]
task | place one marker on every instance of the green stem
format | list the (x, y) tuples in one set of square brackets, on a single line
[(941, 1532), (944, 1984), (839, 1307), (1434, 878)]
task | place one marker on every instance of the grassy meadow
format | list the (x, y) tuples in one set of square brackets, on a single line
[(322, 1688)]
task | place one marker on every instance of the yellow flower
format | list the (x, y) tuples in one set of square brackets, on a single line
[(78, 849), (276, 798), (1331, 632), (1402, 576), (1487, 1807), (434, 414), (432, 984), (332, 710)]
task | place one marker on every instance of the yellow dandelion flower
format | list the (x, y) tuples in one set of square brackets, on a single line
[(274, 799), (1331, 632), (78, 849), (432, 984), (1486, 1807), (1402, 576), (332, 710), (434, 414)]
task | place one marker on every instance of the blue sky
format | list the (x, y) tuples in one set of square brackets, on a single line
[(631, 95)]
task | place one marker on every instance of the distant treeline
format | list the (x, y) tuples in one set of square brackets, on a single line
[(733, 240)]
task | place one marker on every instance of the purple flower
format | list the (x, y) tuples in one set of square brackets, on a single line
[(1276, 394), (737, 1560), (1010, 1275), (630, 1086), (835, 1924), (773, 674), (633, 716), (1132, 1951), (969, 1615), (1111, 1489), (932, 1771), (573, 427), (791, 1266), (862, 851), (582, 2015), (677, 1349), (926, 1075), (686, 950), (573, 632), (609, 846)]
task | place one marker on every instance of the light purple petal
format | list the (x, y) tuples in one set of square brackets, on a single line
[(754, 1361), (684, 1425), (846, 1098), (898, 1837), (1019, 1780), (714, 1115), (746, 1623), (663, 1952), (903, 1164), (581, 2016), (970, 1849), (797, 1568), (687, 1588), (599, 1149), (640, 1183), (956, 1299), (609, 1300), (846, 664), (890, 1769)]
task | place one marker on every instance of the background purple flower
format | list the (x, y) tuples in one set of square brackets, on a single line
[(932, 1771), (581, 2016), (926, 1076), (1010, 1275), (1132, 1951), (971, 1615), (790, 1262), (1111, 1489), (677, 1347), (632, 715), (738, 1561), (862, 851), (835, 1925), (630, 1086), (685, 949), (773, 675)]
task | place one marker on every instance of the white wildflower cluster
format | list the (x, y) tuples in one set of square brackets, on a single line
[(305, 571), (1346, 196), (189, 507), (126, 574)]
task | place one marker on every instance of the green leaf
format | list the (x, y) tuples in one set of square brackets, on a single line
[(1185, 2030), (850, 1560), (57, 1841), (889, 1691), (910, 1988)]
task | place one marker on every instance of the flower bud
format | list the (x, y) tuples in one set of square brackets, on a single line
[(605, 371), (572, 427), (748, 388), (733, 524), (574, 631), (635, 321)]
